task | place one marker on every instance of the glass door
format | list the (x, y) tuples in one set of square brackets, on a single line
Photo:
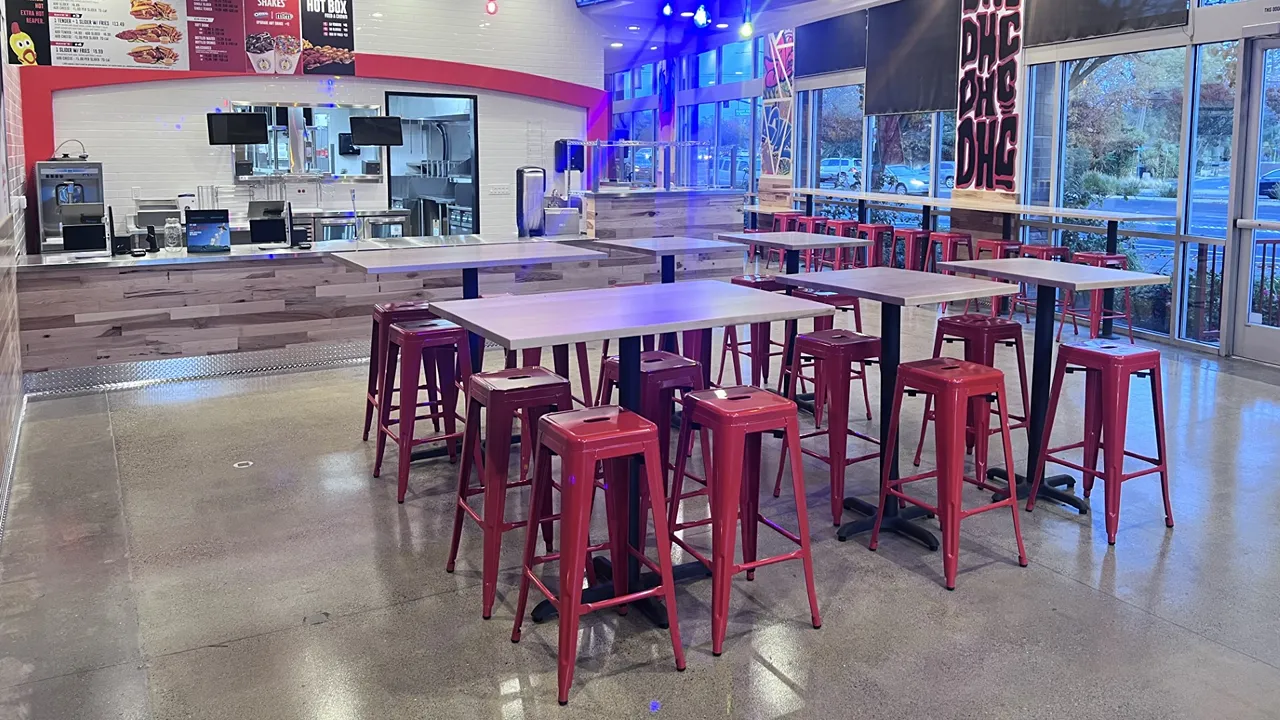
[(1257, 334)]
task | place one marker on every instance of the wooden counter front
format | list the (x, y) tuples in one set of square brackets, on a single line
[(77, 317), (626, 214)]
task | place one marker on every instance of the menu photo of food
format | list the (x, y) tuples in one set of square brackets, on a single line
[(163, 33), (314, 57), (152, 10), (154, 55), (273, 54)]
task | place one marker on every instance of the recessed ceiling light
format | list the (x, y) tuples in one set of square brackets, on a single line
[(722, 26), (615, 45), (686, 14), (633, 28), (655, 47)]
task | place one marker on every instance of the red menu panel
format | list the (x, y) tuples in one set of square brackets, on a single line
[(215, 29)]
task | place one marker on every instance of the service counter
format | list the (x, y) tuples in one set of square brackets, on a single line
[(624, 213)]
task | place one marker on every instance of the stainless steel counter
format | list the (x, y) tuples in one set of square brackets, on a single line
[(62, 261)]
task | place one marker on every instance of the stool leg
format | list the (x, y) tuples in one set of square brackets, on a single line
[(760, 354), (928, 402), (1092, 428), (616, 476), (980, 419), (1059, 373), (684, 445), (726, 489), (537, 509), (1020, 352), (891, 441), (584, 373), (384, 404), (576, 486), (949, 431), (1115, 411), (1002, 399), (446, 362), (662, 532), (837, 435), (729, 345), (375, 367), (1157, 405), (433, 392), (802, 512), (470, 452), (796, 361), (749, 501), (410, 372), (497, 461)]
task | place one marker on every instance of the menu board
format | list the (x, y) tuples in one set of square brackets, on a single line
[(276, 37)]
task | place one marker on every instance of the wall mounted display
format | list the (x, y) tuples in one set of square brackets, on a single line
[(1055, 21), (278, 37), (778, 103), (832, 45), (989, 107)]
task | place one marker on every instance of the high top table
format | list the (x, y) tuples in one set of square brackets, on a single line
[(1007, 212), (1048, 277), (667, 248), (469, 259), (894, 289), (533, 321)]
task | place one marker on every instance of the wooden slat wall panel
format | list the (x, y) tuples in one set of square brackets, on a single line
[(657, 214), (77, 318)]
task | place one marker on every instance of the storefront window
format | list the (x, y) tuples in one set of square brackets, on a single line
[(900, 146), (707, 68), (1122, 152), (944, 180), (840, 125), (643, 125), (643, 77), (622, 126), (736, 62), (1217, 67), (733, 151), (622, 85), (697, 124)]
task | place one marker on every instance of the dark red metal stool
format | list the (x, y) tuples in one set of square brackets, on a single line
[(980, 334), (737, 418), (384, 316), (997, 249), (583, 439), (415, 346), (782, 222), (1040, 252), (914, 244), (947, 245), (760, 348), (844, 257), (961, 389), (881, 237), (531, 391), (835, 354), (1108, 368), (810, 224), (1096, 312), (846, 303)]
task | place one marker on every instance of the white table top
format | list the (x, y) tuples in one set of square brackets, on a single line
[(670, 245), (460, 257), (899, 287), (767, 210), (519, 322), (988, 206), (1061, 275), (794, 240)]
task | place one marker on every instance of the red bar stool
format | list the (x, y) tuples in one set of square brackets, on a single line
[(914, 244), (783, 221), (959, 387), (844, 257), (533, 392), (583, 439), (980, 335), (947, 244), (881, 236), (736, 418), (835, 353), (415, 346), (384, 316), (1097, 313), (1108, 368), (1040, 252), (760, 345), (845, 303), (810, 224), (998, 249)]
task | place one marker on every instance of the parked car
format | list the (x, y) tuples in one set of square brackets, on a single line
[(841, 172), (726, 178), (947, 174), (906, 180), (1267, 185)]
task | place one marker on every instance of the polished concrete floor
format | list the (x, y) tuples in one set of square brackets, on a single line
[(148, 570)]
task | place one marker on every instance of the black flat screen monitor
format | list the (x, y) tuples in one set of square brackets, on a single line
[(268, 231), (208, 231), (84, 237), (376, 131), (235, 128)]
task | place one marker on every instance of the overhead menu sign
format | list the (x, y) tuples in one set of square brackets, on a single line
[(278, 37)]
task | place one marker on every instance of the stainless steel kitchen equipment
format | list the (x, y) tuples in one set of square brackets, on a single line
[(65, 182), (531, 198), (377, 228)]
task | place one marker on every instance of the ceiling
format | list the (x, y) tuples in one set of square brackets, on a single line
[(642, 29)]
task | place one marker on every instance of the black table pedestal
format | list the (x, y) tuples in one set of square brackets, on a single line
[(895, 519)]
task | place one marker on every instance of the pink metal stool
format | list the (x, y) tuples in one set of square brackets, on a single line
[(914, 244), (881, 237), (384, 316), (583, 439), (1108, 368), (1097, 313), (959, 387), (1040, 252)]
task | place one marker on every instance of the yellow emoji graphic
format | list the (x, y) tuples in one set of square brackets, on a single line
[(23, 46)]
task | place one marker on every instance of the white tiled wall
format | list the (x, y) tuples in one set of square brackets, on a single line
[(15, 166), (551, 38), (153, 136)]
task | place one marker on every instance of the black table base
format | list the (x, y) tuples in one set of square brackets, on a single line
[(1048, 489)]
